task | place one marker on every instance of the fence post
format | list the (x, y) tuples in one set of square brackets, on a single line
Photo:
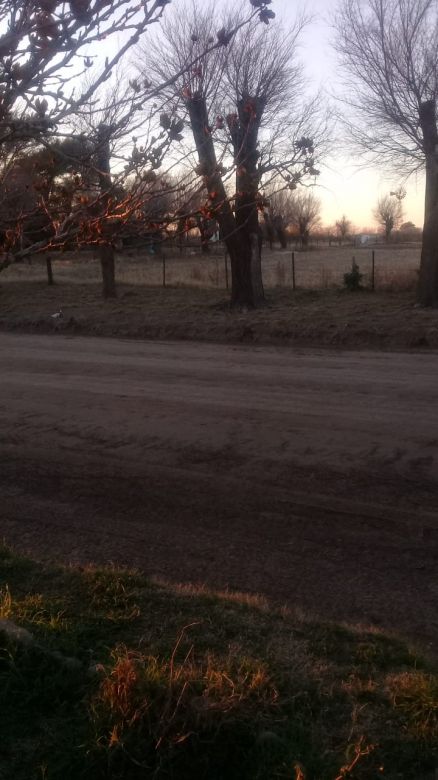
[(163, 256), (373, 270), (293, 270), (226, 268)]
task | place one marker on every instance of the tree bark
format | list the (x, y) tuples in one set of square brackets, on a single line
[(107, 264), (269, 228), (280, 230), (305, 238), (427, 294), (242, 293), (244, 130), (204, 235), (106, 250), (256, 269), (50, 279)]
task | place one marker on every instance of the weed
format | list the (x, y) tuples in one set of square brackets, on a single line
[(416, 696), (165, 714), (5, 602)]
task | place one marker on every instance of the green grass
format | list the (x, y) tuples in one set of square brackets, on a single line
[(179, 682)]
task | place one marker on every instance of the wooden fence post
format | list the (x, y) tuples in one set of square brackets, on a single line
[(163, 257), (293, 270), (373, 270)]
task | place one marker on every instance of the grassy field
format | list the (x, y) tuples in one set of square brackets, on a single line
[(308, 318), (194, 304), (317, 268), (128, 678)]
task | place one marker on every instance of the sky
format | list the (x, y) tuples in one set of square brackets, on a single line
[(343, 187)]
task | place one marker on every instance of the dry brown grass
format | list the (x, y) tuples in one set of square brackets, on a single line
[(317, 268), (416, 696), (194, 303), (170, 698), (328, 317), (397, 281)]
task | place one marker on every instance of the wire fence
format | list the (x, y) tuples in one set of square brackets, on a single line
[(316, 268)]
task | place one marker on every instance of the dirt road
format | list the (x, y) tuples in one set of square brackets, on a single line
[(310, 477)]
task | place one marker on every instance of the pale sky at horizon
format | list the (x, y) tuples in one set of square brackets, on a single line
[(343, 187)]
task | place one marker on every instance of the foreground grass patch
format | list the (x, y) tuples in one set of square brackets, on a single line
[(131, 679)]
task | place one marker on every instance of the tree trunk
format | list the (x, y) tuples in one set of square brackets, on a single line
[(280, 230), (242, 294), (427, 294), (256, 268), (244, 131), (181, 234), (107, 264), (270, 232), (204, 236), (106, 250), (50, 279)]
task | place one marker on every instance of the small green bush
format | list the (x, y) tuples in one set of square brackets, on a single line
[(353, 278)]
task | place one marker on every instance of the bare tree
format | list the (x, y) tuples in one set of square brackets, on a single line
[(278, 214), (229, 102), (389, 214), (305, 213), (46, 48), (46, 51), (389, 49), (343, 228)]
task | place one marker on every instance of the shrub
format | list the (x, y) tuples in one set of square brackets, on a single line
[(353, 278)]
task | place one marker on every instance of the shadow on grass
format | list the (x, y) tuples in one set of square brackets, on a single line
[(179, 682)]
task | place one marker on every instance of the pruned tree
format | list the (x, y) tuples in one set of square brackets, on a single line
[(277, 214), (389, 214), (230, 101), (304, 213), (389, 50), (343, 228)]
